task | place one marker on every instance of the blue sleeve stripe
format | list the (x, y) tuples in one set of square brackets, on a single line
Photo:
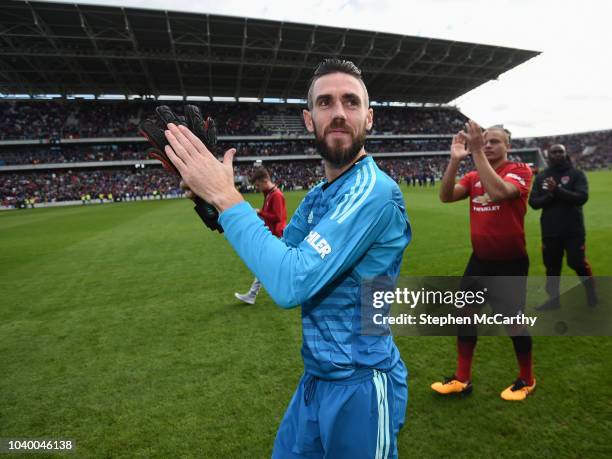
[(348, 195), (346, 214), (364, 183), (352, 195)]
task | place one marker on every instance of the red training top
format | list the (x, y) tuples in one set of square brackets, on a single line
[(274, 212), (498, 228)]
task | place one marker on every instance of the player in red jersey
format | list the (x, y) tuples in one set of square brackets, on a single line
[(498, 190), (274, 215)]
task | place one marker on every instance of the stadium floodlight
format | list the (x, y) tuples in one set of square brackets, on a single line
[(47, 96), (198, 98), (111, 97), (170, 97), (14, 96), (224, 99), (249, 99)]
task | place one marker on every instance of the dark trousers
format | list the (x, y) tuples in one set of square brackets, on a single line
[(553, 249), (506, 284)]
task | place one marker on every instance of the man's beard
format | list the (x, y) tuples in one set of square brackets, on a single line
[(338, 156), (560, 163)]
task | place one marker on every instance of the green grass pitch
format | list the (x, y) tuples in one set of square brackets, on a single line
[(119, 329)]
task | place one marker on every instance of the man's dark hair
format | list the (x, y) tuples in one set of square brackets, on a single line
[(558, 146), (561, 147), (335, 65), (260, 173)]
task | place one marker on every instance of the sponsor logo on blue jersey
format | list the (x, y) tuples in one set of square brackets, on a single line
[(321, 246)]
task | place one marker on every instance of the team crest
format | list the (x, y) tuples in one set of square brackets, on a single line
[(310, 217), (565, 179), (483, 199)]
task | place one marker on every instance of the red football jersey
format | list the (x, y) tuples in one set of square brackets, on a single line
[(498, 228), (274, 211)]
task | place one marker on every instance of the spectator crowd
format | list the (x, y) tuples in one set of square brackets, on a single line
[(76, 185), (135, 152), (77, 119), (122, 183), (588, 150), (94, 119)]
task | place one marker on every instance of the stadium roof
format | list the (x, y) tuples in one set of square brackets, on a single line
[(83, 49)]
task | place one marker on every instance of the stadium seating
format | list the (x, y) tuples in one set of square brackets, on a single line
[(124, 152), (588, 150), (102, 121), (22, 120), (66, 185)]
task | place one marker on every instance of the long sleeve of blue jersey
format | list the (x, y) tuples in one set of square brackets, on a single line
[(297, 228), (295, 268)]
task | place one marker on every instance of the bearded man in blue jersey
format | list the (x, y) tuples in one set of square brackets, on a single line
[(351, 400)]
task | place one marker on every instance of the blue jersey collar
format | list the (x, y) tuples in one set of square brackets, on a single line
[(347, 173)]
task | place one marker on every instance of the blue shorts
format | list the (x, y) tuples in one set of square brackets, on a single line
[(358, 417)]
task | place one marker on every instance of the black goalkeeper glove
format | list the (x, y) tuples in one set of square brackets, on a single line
[(153, 130)]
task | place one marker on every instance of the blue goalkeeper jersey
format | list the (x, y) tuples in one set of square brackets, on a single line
[(344, 231)]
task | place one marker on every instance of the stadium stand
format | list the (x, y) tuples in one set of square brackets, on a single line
[(412, 144), (137, 152), (138, 183), (45, 187), (54, 146), (71, 153), (79, 119), (588, 150)]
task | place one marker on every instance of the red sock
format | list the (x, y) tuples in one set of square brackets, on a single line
[(525, 367), (465, 352)]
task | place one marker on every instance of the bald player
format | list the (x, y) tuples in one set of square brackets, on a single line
[(498, 191)]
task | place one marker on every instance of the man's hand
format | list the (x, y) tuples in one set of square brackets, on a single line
[(549, 184), (205, 176), (458, 150), (473, 136)]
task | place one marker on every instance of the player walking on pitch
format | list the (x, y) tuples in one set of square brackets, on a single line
[(561, 191), (498, 191), (274, 215), (351, 400)]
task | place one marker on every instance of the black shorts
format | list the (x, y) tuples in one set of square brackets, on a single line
[(505, 282)]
